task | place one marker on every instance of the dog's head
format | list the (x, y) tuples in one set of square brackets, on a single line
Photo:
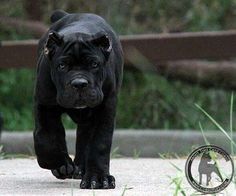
[(206, 157), (78, 67)]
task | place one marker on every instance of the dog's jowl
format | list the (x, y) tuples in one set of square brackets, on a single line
[(79, 73)]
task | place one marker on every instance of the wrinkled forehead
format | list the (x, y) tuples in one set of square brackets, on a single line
[(79, 37), (78, 49)]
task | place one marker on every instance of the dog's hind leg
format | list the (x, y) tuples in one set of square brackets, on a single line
[(49, 142), (208, 179), (200, 178)]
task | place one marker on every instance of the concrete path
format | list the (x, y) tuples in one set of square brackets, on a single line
[(139, 176)]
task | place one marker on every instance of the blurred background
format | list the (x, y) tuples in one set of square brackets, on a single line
[(147, 99)]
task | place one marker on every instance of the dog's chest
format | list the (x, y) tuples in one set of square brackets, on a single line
[(81, 116)]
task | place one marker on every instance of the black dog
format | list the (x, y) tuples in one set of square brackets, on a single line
[(80, 63)]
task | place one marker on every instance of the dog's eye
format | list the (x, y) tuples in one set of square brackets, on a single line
[(94, 65), (62, 66)]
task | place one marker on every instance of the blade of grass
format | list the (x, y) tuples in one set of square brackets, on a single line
[(216, 124), (213, 155), (204, 137), (231, 128), (177, 181), (125, 188), (231, 121), (175, 166)]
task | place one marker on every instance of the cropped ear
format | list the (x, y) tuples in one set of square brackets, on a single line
[(104, 42), (53, 40), (57, 15)]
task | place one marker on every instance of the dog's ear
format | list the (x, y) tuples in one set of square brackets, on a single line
[(104, 42), (57, 15), (53, 40)]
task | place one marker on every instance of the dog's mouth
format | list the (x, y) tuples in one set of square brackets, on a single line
[(82, 100), (76, 104), (81, 107)]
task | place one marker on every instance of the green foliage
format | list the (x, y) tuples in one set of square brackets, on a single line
[(146, 99), (150, 101), (209, 15), (16, 90)]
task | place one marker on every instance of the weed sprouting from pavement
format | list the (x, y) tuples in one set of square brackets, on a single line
[(217, 125), (177, 180), (136, 153), (228, 136), (115, 154), (2, 154), (123, 193), (125, 189), (169, 155)]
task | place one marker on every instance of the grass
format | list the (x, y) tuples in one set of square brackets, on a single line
[(1, 152), (177, 180), (4, 155), (231, 122), (115, 153), (136, 153), (229, 137), (217, 125), (125, 189)]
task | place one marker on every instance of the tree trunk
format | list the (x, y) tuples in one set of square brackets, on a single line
[(33, 9)]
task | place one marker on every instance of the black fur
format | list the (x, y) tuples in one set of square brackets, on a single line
[(79, 72)]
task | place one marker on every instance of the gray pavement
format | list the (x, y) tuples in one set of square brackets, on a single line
[(143, 176)]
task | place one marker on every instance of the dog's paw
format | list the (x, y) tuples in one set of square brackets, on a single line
[(65, 171), (97, 182)]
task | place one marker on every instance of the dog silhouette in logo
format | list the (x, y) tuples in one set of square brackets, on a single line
[(207, 168)]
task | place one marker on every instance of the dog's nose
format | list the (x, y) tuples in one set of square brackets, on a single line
[(79, 83)]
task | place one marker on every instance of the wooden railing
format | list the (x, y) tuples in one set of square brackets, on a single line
[(171, 55)]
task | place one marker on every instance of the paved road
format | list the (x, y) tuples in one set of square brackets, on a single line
[(139, 176)]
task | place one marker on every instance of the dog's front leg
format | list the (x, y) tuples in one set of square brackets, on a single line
[(82, 138), (97, 173), (49, 142)]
